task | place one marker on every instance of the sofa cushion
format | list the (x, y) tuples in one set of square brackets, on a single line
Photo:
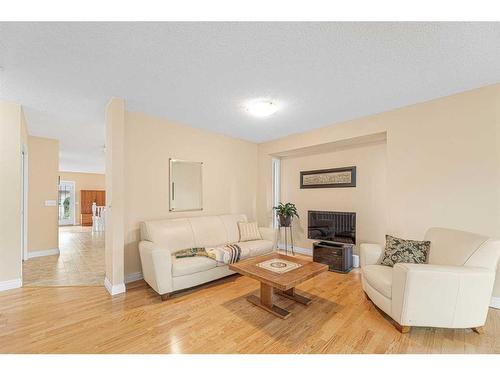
[(379, 277), (255, 248), (208, 231), (398, 250), (171, 235), (184, 233), (190, 265), (231, 224)]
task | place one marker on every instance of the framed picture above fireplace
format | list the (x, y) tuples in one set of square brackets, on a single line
[(328, 178)]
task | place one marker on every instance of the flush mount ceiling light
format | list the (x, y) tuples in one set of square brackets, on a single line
[(261, 107)]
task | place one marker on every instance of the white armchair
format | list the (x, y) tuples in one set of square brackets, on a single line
[(452, 291)]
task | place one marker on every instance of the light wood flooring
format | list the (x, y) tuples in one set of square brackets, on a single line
[(217, 318), (80, 262)]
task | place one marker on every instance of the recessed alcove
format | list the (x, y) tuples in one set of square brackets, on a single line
[(368, 199)]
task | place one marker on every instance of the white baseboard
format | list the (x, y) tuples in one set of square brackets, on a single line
[(114, 289), (133, 277), (10, 284), (42, 253), (297, 249), (495, 302)]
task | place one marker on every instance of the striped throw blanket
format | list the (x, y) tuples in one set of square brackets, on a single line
[(226, 254)]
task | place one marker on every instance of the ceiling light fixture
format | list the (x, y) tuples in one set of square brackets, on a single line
[(261, 107)]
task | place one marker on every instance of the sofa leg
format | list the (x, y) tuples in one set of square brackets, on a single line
[(165, 296), (403, 329), (478, 330)]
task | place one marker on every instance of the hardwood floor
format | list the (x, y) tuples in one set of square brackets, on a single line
[(217, 318), (80, 262)]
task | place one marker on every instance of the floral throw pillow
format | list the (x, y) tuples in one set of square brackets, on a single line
[(398, 250)]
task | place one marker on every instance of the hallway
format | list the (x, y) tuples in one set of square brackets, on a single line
[(80, 262)]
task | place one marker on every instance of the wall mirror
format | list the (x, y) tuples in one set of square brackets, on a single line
[(186, 190)]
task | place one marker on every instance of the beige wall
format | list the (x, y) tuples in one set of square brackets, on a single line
[(229, 174), (83, 181), (43, 166), (11, 134), (443, 163), (367, 199)]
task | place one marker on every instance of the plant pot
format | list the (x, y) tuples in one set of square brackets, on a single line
[(285, 221)]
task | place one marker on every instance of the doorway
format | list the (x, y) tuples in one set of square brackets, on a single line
[(79, 258), (66, 202)]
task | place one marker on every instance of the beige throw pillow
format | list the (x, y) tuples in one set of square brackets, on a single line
[(249, 231)]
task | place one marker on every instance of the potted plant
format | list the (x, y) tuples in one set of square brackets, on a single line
[(285, 213)]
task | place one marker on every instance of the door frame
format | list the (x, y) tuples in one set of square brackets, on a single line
[(24, 201), (276, 188), (73, 203)]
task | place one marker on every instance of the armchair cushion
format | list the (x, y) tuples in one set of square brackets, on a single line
[(380, 278), (398, 250), (369, 253)]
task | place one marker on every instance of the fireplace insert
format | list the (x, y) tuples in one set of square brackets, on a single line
[(331, 226)]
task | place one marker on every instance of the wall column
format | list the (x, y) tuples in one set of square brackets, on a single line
[(115, 190), (10, 196)]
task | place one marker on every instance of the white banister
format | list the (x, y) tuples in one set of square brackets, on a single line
[(98, 217)]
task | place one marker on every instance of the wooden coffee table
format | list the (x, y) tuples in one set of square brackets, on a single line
[(282, 284)]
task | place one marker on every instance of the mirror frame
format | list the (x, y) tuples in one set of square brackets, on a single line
[(170, 182)]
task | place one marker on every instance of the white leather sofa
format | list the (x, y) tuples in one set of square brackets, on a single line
[(160, 239), (452, 291)]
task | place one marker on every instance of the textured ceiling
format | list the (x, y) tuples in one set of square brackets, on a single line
[(199, 74)]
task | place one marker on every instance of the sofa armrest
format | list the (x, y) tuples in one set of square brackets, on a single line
[(441, 296), (156, 267), (369, 253), (269, 234)]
